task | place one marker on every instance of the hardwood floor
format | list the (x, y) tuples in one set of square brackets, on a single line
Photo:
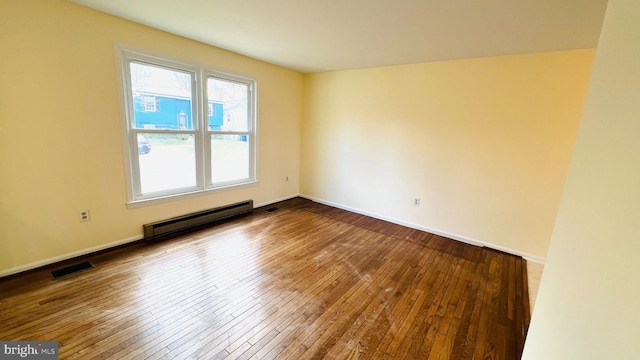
[(306, 282)]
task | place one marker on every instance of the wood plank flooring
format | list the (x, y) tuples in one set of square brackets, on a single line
[(305, 282)]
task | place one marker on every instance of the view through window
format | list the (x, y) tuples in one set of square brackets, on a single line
[(178, 142)]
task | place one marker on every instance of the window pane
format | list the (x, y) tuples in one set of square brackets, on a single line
[(167, 162), (229, 158), (161, 97), (231, 110)]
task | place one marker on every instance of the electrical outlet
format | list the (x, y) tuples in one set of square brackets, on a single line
[(84, 215), (286, 178), (416, 201)]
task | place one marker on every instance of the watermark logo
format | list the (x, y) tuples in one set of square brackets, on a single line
[(35, 350)]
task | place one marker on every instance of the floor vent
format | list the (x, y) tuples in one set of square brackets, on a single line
[(186, 222), (272, 210), (71, 269)]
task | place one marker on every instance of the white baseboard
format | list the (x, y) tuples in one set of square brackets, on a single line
[(464, 239), (67, 256)]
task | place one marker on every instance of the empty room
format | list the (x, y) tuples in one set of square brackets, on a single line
[(219, 179)]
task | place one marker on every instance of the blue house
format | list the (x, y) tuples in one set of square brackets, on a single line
[(154, 111)]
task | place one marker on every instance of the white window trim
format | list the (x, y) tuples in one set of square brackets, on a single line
[(124, 54)]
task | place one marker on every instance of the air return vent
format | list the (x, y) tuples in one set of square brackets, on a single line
[(185, 222), (71, 269)]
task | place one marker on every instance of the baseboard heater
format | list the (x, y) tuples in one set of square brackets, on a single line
[(185, 222)]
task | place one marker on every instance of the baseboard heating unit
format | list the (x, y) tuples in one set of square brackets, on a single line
[(185, 222)]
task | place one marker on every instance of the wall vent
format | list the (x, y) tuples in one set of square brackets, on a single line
[(185, 222)]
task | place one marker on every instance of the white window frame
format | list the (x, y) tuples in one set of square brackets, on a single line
[(201, 132)]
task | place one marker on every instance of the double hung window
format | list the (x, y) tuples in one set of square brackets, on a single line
[(188, 128)]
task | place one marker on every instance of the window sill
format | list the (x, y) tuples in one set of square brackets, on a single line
[(169, 198)]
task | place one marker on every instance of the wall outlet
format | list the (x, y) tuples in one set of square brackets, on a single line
[(416, 201), (286, 178), (84, 215)]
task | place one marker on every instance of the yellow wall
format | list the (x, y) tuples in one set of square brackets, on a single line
[(587, 306), (485, 143), (60, 128)]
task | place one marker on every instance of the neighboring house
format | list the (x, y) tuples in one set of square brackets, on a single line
[(235, 116), (156, 111)]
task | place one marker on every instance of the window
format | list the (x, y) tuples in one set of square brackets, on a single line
[(176, 140), (149, 103)]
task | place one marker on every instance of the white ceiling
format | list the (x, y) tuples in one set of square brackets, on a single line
[(322, 35)]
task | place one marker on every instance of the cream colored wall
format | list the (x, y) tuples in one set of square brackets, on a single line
[(587, 307), (484, 143), (61, 141)]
